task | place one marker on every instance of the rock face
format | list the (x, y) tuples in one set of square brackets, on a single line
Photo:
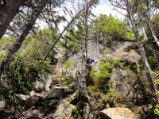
[(118, 113), (123, 82), (124, 79), (32, 114), (127, 53)]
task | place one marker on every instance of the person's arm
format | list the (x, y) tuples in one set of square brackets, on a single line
[(95, 61)]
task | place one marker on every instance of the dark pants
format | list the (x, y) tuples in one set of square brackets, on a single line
[(89, 67)]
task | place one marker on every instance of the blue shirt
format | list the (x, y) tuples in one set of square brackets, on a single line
[(90, 61)]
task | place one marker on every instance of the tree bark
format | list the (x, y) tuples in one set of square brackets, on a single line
[(7, 13), (145, 36), (148, 67), (86, 28), (152, 32), (148, 20), (141, 47), (16, 45)]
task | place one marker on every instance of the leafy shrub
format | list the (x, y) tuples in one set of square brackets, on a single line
[(68, 64), (156, 111), (21, 76), (74, 113), (27, 65), (101, 78), (114, 28), (153, 61)]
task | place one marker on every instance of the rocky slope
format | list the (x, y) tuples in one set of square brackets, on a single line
[(127, 97)]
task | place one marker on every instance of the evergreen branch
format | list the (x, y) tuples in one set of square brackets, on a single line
[(58, 38)]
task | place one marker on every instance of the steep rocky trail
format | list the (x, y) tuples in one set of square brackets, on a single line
[(58, 96)]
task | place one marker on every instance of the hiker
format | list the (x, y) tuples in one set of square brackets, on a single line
[(89, 63)]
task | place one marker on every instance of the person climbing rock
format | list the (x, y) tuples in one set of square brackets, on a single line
[(89, 62)]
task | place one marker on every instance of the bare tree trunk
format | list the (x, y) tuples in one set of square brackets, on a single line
[(98, 45), (148, 20), (82, 85), (148, 67), (16, 45), (141, 48), (84, 71), (86, 27), (152, 32), (145, 36), (7, 13)]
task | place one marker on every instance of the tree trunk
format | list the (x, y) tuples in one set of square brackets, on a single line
[(145, 36), (7, 13), (16, 45), (153, 33), (97, 44), (148, 20), (148, 68), (141, 48), (86, 27)]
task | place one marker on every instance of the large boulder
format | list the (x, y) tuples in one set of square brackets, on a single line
[(64, 111), (56, 93), (59, 92), (118, 113)]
